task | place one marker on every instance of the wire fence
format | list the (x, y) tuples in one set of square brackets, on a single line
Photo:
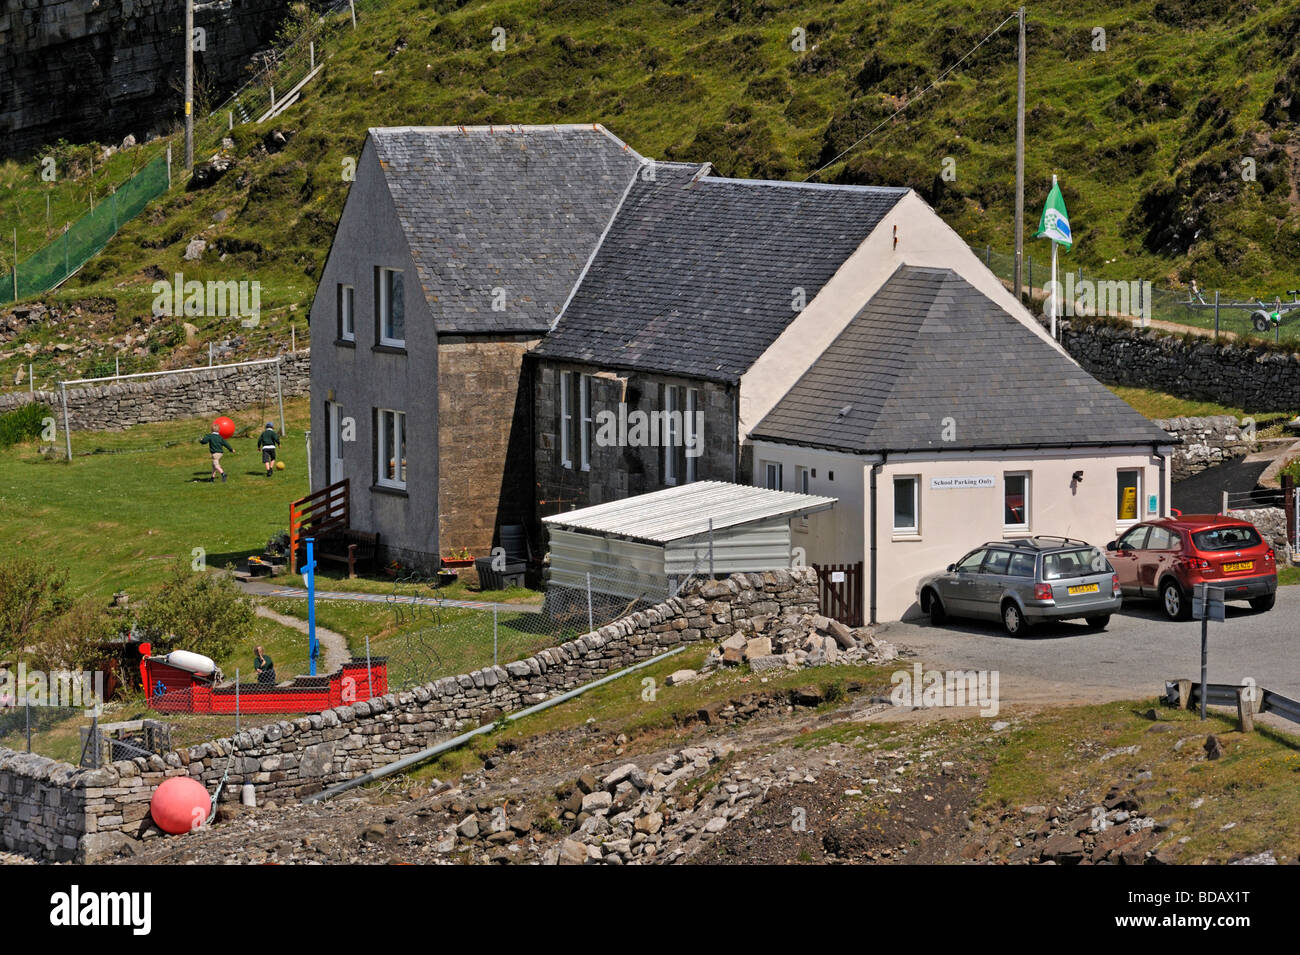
[(273, 87), (415, 636), (1259, 318)]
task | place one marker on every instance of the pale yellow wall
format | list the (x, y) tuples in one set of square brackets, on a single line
[(955, 520), (924, 239)]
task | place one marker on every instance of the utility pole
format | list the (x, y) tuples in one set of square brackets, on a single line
[(1020, 163), (189, 85)]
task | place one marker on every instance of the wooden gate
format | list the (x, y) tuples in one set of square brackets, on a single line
[(839, 588)]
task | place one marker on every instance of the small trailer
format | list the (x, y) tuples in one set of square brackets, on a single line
[(1263, 317)]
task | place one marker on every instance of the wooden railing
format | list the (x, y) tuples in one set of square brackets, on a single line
[(328, 509)]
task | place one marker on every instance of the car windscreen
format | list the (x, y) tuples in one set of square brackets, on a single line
[(1226, 538), (1078, 562)]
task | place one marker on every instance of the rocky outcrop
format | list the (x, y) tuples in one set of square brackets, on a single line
[(85, 70)]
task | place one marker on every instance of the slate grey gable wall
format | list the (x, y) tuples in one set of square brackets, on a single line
[(362, 378), (618, 472)]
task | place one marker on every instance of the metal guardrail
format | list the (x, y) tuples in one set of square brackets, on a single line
[(1228, 694)]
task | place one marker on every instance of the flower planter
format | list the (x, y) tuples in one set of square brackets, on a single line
[(458, 562)]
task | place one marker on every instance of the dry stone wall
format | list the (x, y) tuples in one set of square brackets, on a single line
[(203, 391), (1225, 372), (101, 811), (1204, 443)]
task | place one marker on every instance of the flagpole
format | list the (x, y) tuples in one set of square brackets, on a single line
[(1056, 291)]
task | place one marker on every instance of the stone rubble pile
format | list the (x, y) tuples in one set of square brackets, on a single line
[(801, 640)]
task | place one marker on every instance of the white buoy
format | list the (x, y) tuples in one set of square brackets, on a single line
[(247, 796)]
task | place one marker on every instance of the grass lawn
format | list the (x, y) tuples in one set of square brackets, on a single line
[(330, 579), (1157, 404), (422, 643), (130, 501)]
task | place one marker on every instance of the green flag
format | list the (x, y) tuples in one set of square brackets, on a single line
[(1055, 222)]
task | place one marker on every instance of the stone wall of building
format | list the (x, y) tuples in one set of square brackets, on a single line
[(621, 471), (89, 814), (203, 391), (484, 433), (1226, 372), (1205, 442), (85, 70)]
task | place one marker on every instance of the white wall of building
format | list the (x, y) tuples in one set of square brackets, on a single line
[(923, 240), (952, 520)]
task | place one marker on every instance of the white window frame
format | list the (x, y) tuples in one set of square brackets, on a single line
[(382, 452), (1029, 500), (584, 421), (768, 471), (915, 529), (385, 309), (347, 302), (566, 420), (669, 437), (688, 431), (1138, 504)]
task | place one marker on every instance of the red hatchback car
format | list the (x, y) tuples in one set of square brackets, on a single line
[(1169, 558)]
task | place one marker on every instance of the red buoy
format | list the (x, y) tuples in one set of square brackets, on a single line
[(224, 427), (180, 805)]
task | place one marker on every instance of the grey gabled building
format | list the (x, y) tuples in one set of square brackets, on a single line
[(456, 250)]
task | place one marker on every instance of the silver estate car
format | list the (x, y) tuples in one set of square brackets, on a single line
[(1023, 582)]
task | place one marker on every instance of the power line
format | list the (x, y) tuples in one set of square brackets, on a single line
[(933, 83)]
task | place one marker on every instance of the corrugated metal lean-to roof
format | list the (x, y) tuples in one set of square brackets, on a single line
[(674, 513)]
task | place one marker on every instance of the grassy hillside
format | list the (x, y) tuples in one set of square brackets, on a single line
[(1147, 135)]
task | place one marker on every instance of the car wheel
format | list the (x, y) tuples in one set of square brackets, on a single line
[(937, 611), (1098, 622), (1013, 619), (1172, 601), (1260, 604)]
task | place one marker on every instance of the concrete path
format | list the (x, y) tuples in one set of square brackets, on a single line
[(334, 644)]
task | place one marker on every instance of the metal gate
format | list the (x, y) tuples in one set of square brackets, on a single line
[(839, 589)]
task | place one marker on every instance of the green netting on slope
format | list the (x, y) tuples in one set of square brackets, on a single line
[(55, 262)]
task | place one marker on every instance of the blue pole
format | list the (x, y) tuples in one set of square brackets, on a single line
[(310, 573)]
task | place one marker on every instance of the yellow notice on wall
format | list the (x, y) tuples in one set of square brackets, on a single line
[(1128, 506)]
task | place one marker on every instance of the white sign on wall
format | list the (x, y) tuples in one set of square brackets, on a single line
[(949, 483)]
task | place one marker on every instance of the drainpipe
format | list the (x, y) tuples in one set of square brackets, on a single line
[(735, 431), (871, 585), (1161, 506)]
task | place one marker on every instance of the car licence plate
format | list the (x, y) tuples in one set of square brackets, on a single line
[(1241, 565), (1082, 589)]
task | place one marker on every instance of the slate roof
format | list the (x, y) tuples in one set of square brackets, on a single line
[(929, 346), (515, 207), (696, 274)]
